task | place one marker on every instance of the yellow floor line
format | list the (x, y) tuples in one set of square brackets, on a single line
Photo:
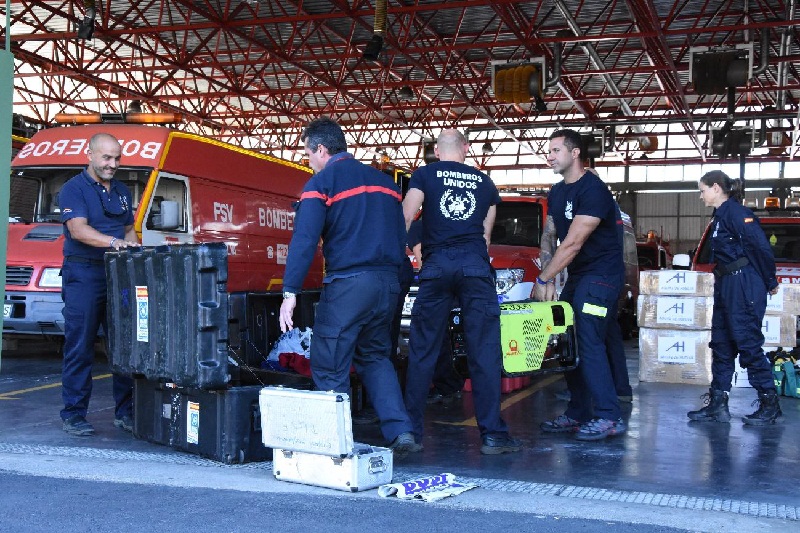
[(7, 395), (508, 402)]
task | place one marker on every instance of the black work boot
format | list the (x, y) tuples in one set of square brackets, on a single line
[(716, 409), (769, 410)]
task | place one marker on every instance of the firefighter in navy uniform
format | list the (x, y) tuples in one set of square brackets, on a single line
[(458, 203), (96, 211), (744, 274), (355, 209), (583, 216), (447, 384)]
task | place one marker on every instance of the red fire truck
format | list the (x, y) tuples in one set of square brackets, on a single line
[(186, 189), (781, 224), (653, 252)]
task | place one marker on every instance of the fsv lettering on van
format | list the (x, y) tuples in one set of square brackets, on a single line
[(223, 212), (134, 147)]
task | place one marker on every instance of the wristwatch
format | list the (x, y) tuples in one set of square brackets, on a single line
[(288, 294)]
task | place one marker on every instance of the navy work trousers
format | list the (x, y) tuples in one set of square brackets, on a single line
[(352, 327), (83, 289), (446, 380), (740, 301), (591, 385), (460, 276), (615, 349)]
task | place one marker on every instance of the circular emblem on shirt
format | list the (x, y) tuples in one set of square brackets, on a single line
[(457, 205)]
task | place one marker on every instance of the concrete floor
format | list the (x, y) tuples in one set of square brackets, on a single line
[(661, 454)]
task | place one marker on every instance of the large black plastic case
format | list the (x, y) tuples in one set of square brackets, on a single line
[(168, 313), (224, 425)]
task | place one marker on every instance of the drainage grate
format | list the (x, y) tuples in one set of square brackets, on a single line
[(676, 501)]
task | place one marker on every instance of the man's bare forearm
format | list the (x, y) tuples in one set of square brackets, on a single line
[(548, 244)]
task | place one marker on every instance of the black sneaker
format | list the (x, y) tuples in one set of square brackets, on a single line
[(77, 425), (444, 399), (404, 444), (497, 443), (560, 424), (600, 428), (126, 423)]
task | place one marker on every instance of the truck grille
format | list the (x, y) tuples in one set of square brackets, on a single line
[(18, 275)]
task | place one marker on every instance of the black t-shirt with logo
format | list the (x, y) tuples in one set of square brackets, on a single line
[(457, 198), (602, 251)]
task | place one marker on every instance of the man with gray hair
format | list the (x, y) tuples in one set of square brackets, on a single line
[(97, 213), (458, 203)]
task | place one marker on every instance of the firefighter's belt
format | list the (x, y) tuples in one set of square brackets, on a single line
[(730, 268)]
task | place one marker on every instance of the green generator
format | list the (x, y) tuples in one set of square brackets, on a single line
[(535, 338)]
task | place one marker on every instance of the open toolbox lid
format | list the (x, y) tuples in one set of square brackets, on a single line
[(306, 421)]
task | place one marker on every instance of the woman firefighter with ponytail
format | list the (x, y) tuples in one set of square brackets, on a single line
[(744, 274)]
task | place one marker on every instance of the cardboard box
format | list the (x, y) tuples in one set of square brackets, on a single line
[(675, 356), (740, 376), (675, 312), (676, 282), (368, 467), (780, 330), (787, 300)]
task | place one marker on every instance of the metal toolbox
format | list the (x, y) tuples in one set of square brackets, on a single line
[(368, 467), (306, 421)]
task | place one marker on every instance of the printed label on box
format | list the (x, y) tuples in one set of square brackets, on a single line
[(678, 311), (142, 312), (192, 422), (771, 328), (775, 303), (679, 348), (677, 282)]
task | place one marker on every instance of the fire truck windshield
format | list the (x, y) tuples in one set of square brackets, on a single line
[(34, 191), (518, 224)]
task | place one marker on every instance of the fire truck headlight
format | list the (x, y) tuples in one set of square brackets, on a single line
[(507, 278), (51, 277)]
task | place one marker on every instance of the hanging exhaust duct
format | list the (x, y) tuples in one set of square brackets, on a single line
[(375, 46), (85, 27), (517, 83)]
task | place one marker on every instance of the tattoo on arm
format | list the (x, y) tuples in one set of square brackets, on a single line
[(549, 240)]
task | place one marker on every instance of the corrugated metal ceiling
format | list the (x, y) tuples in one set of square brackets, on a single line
[(253, 72)]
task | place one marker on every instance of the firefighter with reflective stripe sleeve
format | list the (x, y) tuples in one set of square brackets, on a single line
[(356, 211), (583, 215)]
